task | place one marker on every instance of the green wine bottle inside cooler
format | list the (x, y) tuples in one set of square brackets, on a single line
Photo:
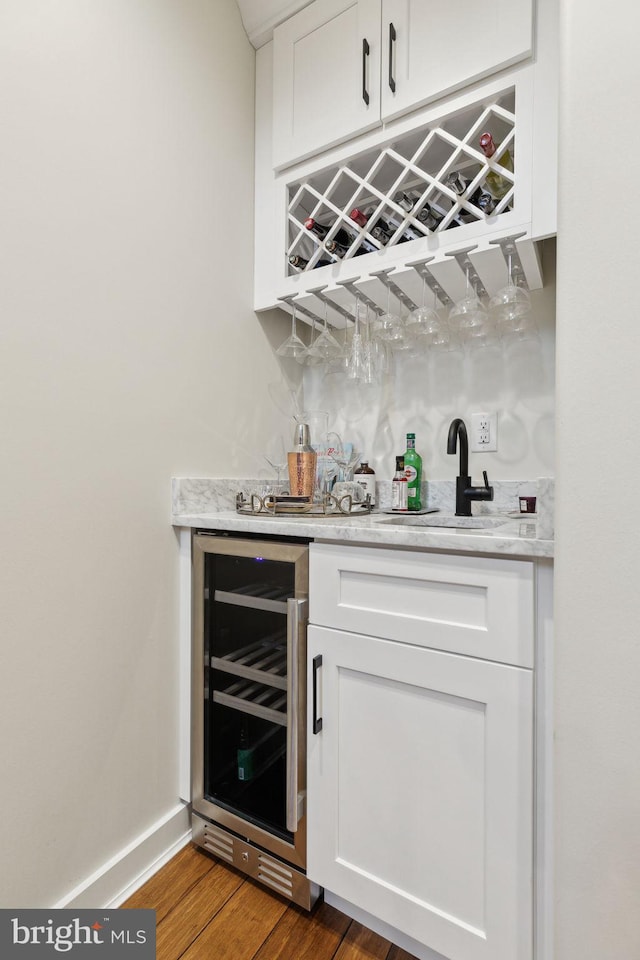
[(413, 473)]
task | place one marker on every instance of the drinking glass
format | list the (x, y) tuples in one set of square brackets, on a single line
[(512, 301), (355, 369), (423, 319), (311, 357), (293, 346), (389, 325), (325, 347), (276, 456), (469, 311), (345, 457)]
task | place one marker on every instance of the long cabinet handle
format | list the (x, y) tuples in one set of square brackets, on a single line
[(392, 40), (317, 721), (365, 55), (296, 615)]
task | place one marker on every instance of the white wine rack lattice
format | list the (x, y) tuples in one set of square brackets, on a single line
[(432, 180)]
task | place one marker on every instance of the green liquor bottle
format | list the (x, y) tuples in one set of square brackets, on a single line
[(413, 473)]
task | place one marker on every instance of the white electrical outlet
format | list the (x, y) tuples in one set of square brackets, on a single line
[(484, 432)]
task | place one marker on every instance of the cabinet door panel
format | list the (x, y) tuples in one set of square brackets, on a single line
[(318, 77), (420, 793), (440, 47)]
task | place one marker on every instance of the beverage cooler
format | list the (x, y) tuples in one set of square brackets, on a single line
[(248, 707)]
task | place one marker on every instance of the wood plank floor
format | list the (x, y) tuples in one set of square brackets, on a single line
[(206, 909)]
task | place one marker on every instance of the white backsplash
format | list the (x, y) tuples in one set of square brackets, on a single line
[(424, 394)]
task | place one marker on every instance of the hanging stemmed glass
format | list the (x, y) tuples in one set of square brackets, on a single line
[(293, 346), (356, 354), (326, 348), (512, 301), (389, 326), (468, 312), (311, 358), (423, 319)]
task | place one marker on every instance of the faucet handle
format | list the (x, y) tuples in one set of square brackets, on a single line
[(488, 490)]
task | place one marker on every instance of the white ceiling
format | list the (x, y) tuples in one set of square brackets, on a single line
[(261, 16)]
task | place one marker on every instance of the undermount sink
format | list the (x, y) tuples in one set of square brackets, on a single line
[(457, 523)]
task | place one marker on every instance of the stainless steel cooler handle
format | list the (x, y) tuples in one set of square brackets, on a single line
[(296, 616)]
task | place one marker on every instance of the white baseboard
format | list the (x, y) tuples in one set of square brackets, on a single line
[(123, 874)]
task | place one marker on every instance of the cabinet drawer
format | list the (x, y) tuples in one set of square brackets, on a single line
[(477, 606)]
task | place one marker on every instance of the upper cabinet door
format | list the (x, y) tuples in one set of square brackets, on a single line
[(326, 77), (432, 47)]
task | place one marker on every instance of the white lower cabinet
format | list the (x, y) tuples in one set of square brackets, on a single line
[(420, 788)]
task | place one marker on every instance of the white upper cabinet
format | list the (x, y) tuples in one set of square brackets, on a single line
[(432, 47), (342, 67), (326, 77)]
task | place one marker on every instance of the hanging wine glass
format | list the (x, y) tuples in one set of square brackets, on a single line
[(468, 311), (388, 326), (512, 301), (422, 320), (293, 347), (325, 347), (311, 358)]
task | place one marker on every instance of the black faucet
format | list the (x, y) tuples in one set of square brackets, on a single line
[(465, 493)]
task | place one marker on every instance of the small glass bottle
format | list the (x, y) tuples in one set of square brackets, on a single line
[(366, 477), (245, 755), (399, 488)]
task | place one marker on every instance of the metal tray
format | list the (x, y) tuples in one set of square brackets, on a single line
[(330, 506)]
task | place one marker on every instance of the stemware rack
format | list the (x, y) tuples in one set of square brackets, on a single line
[(406, 283)]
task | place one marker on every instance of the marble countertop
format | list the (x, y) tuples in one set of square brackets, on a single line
[(516, 537)]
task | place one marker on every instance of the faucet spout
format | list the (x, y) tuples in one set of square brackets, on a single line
[(458, 429), (465, 492)]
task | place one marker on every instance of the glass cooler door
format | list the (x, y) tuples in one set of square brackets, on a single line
[(252, 701)]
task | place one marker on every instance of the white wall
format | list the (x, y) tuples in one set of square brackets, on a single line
[(130, 353), (426, 393), (597, 662)]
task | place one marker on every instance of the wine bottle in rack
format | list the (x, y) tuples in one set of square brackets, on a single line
[(480, 198), (320, 231), (406, 200), (497, 184), (383, 230), (339, 251), (301, 264), (245, 755), (428, 216)]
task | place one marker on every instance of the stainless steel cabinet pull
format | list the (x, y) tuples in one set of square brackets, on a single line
[(317, 721), (392, 40), (365, 54), (296, 614)]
